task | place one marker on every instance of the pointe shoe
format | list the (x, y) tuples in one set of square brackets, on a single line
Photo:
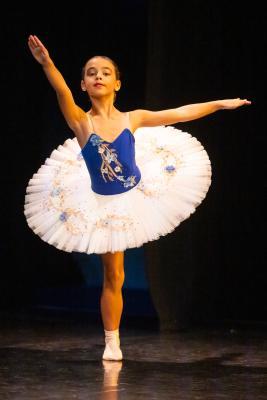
[(112, 353), (112, 350)]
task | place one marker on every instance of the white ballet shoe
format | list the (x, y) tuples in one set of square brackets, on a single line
[(112, 350), (112, 353)]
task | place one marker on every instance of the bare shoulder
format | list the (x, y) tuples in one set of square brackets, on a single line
[(135, 117)]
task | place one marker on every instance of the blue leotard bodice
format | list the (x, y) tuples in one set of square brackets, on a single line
[(111, 165)]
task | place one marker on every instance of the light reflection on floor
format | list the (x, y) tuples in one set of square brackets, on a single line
[(41, 361)]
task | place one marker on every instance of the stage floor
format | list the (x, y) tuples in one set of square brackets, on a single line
[(41, 360)]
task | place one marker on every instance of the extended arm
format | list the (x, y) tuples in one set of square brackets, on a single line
[(72, 113), (185, 113)]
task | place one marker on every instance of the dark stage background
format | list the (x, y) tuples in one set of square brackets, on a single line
[(211, 268)]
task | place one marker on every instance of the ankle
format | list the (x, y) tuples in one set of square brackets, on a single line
[(112, 336), (111, 333)]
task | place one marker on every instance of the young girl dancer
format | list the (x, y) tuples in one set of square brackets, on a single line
[(126, 178)]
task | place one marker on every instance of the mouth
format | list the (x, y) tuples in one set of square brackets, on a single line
[(98, 84)]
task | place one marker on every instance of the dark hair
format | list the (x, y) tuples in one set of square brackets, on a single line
[(117, 71)]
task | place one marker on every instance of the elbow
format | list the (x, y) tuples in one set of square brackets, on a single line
[(62, 92), (181, 116)]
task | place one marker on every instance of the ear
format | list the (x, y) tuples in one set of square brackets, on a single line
[(118, 85), (83, 86)]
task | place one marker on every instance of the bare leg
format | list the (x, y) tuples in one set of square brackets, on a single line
[(111, 297)]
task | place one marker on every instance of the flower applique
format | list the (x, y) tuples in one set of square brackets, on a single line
[(56, 192), (79, 156), (109, 156), (170, 168), (63, 216), (115, 222)]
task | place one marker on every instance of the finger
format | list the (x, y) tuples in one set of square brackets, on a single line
[(32, 42), (30, 39), (38, 41), (246, 101)]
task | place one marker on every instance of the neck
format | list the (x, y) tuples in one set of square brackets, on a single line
[(103, 108)]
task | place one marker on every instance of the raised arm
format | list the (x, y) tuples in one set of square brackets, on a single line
[(73, 114), (184, 113)]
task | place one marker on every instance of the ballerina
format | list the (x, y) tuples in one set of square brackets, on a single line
[(126, 178)]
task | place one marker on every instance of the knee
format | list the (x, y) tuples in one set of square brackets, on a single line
[(114, 278)]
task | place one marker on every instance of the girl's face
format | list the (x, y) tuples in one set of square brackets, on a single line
[(99, 78)]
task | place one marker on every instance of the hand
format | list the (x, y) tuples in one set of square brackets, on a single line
[(231, 104), (38, 50)]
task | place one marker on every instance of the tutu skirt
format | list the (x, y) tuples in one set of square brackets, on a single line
[(62, 209)]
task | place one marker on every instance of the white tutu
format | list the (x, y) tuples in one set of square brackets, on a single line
[(62, 209)]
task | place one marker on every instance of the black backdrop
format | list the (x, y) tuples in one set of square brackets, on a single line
[(170, 54)]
